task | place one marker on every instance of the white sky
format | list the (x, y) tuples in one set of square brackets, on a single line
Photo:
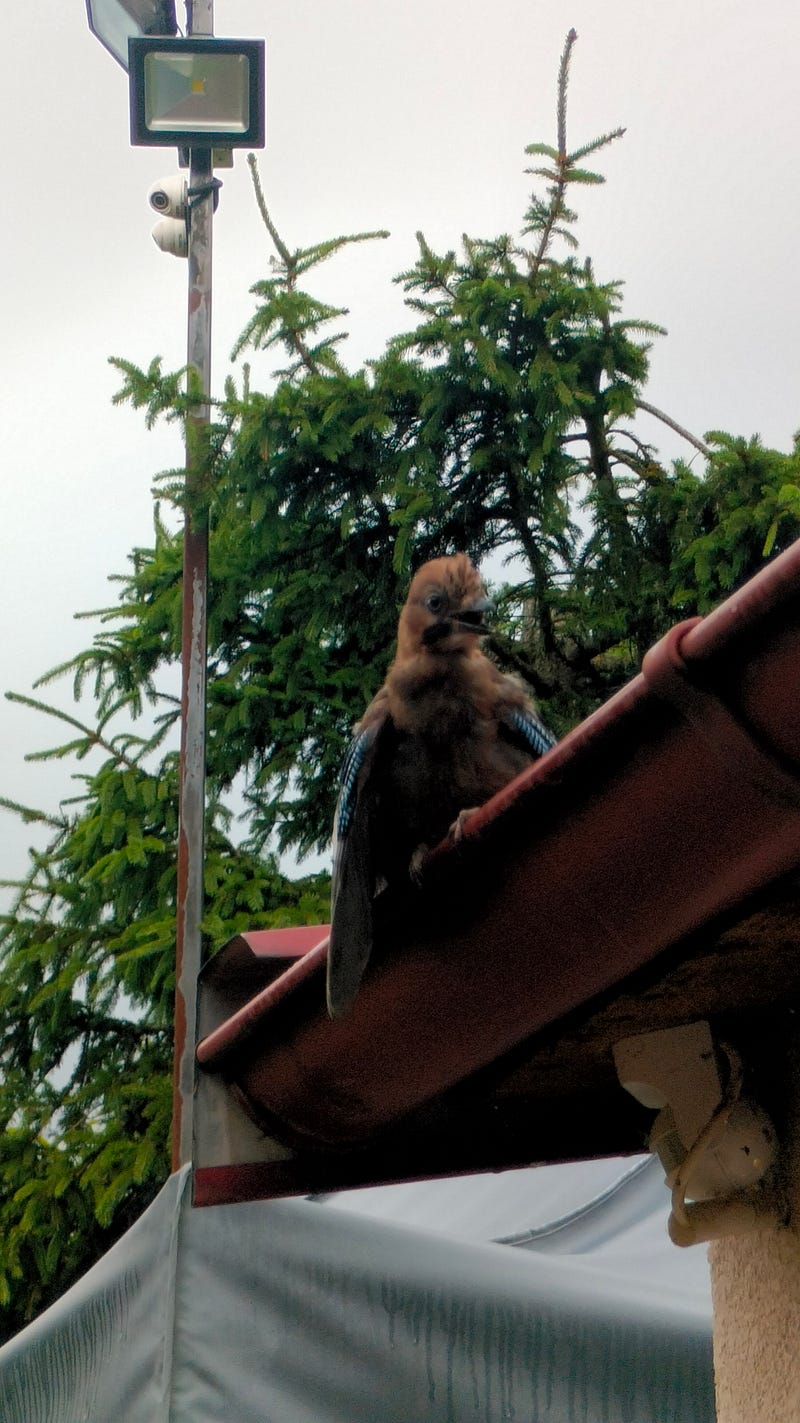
[(400, 115)]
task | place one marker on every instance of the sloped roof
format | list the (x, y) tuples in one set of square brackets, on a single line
[(607, 865)]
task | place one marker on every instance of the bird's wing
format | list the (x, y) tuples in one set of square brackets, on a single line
[(523, 722), (353, 880)]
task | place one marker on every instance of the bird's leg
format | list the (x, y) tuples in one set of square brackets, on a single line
[(456, 830), (416, 863)]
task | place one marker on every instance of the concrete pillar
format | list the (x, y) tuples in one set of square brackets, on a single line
[(756, 1291), (755, 1282)]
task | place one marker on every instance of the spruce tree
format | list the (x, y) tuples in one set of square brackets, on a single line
[(502, 422)]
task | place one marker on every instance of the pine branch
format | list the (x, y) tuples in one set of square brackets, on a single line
[(563, 80), (92, 738), (280, 245), (673, 425), (321, 357), (321, 251), (285, 256), (556, 209), (646, 452), (96, 1024), (550, 219), (30, 817), (596, 143)]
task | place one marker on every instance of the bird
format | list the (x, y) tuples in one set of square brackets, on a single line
[(446, 731)]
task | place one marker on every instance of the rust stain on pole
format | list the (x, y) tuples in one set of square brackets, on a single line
[(191, 837)]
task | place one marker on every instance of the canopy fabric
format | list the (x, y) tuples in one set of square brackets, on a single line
[(389, 1306)]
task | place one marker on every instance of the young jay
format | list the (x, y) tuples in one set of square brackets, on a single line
[(446, 731)]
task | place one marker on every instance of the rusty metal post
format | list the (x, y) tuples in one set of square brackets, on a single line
[(191, 841)]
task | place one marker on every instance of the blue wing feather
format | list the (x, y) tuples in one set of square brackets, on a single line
[(354, 760), (353, 879), (527, 725)]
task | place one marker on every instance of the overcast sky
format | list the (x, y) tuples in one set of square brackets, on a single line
[(405, 115)]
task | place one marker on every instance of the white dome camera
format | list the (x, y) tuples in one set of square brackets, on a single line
[(169, 196), (171, 236)]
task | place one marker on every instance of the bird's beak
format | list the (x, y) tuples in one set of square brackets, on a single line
[(471, 619)]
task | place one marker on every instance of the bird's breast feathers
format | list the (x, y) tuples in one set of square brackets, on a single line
[(442, 698)]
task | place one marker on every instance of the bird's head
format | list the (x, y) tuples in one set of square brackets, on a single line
[(444, 611)]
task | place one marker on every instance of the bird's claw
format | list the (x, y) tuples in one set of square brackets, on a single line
[(456, 830), (416, 864)]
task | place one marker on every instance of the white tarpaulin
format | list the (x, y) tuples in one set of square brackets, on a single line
[(391, 1306)]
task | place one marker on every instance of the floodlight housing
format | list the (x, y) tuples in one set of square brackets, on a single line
[(113, 22), (196, 93)]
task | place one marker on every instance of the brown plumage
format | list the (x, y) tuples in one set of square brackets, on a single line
[(445, 732)]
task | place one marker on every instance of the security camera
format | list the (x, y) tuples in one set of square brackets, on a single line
[(170, 235), (169, 196)]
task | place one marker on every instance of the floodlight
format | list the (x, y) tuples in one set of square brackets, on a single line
[(197, 93), (115, 21)]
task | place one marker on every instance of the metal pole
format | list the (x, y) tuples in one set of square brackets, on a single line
[(188, 949)]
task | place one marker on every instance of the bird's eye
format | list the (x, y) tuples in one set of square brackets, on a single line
[(434, 602)]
